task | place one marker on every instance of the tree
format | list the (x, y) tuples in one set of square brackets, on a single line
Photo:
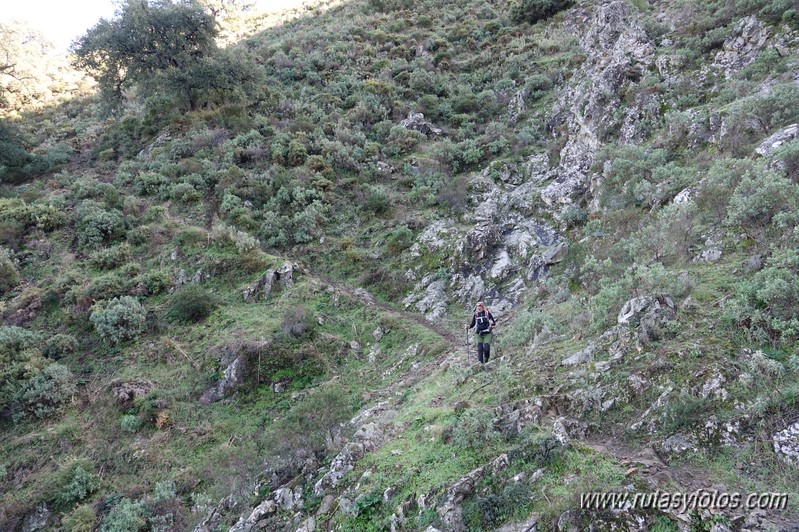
[(30, 75), (146, 39)]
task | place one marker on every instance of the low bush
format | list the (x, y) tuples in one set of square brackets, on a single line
[(118, 320), (297, 323), (130, 423), (97, 226), (125, 516), (9, 276), (59, 346), (76, 482), (767, 304), (192, 303), (113, 257), (474, 430), (532, 11), (81, 519), (46, 392)]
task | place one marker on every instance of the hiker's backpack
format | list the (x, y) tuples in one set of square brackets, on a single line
[(482, 323)]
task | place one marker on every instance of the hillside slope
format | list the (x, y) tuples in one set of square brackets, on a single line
[(248, 313)]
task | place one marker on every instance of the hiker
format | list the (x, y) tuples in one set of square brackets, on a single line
[(483, 323)]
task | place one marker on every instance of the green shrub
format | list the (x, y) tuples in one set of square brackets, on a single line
[(191, 304), (493, 509), (76, 482), (399, 240), (759, 197), (119, 319), (164, 491), (298, 323), (377, 200), (574, 215), (126, 516), (474, 430), (222, 233), (113, 257), (46, 392), (9, 276), (43, 216), (130, 423), (767, 304), (542, 450), (108, 286), (184, 193), (16, 164), (59, 346), (96, 226), (20, 361), (788, 156), (153, 282), (528, 325), (534, 10), (150, 184), (81, 519), (752, 119)]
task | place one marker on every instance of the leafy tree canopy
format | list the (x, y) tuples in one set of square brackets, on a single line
[(145, 38)]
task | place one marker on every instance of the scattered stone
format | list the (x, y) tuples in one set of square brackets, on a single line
[(569, 521), (753, 263), (713, 387), (308, 526), (748, 38), (235, 357), (327, 505), (678, 444), (580, 357), (125, 392), (649, 313), (36, 520), (215, 515), (274, 278), (710, 255), (685, 195), (245, 524), (786, 134), (528, 525), (417, 122), (451, 511), (786, 444), (516, 106)]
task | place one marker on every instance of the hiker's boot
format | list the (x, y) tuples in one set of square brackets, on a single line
[(486, 351), (480, 348)]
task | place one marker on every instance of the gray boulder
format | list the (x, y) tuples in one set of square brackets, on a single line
[(786, 444), (417, 122), (748, 38), (786, 134), (275, 278), (649, 313)]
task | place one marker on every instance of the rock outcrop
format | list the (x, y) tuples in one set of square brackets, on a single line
[(275, 278), (618, 54), (417, 122)]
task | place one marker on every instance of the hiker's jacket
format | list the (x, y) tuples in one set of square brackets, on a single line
[(483, 320)]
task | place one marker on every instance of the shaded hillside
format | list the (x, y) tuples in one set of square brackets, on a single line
[(238, 302)]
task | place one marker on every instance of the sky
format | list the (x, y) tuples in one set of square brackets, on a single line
[(61, 21)]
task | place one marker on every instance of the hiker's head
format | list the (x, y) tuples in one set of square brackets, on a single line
[(480, 306)]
